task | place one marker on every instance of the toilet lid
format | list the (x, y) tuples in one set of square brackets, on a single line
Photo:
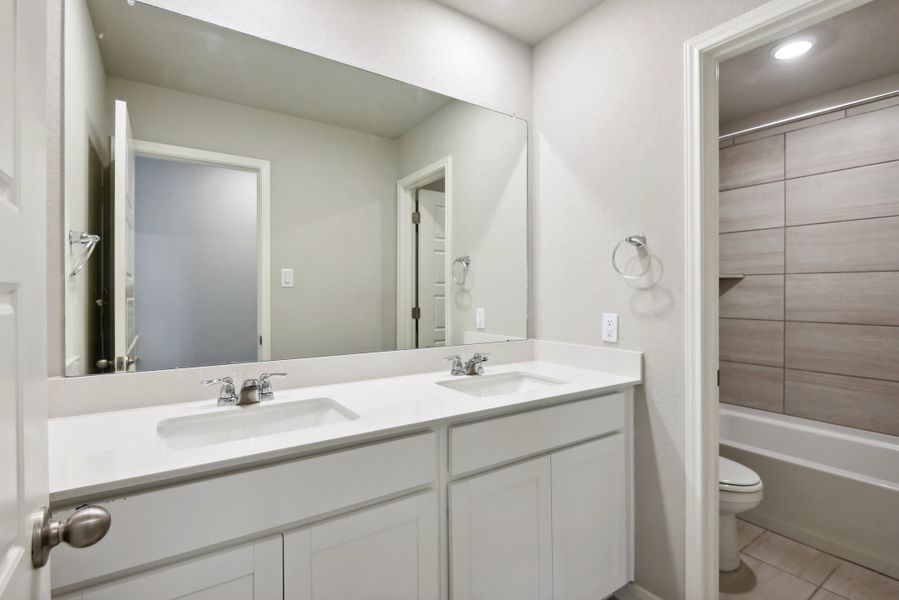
[(734, 474)]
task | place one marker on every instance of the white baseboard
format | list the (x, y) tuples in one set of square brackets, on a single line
[(632, 591)]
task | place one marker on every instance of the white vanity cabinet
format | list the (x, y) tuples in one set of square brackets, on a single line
[(247, 572), (552, 527), (533, 504), (390, 551)]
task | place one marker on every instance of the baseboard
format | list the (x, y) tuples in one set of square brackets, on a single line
[(632, 591)]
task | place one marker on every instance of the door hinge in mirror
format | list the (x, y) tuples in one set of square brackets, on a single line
[(416, 312), (416, 217)]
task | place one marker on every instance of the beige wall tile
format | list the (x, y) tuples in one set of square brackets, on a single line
[(754, 297), (859, 298), (852, 142), (791, 126), (755, 342), (869, 404), (752, 252), (858, 583), (868, 245), (751, 163), (752, 385), (756, 580), (823, 594), (800, 560), (860, 193), (886, 103), (857, 350), (754, 207)]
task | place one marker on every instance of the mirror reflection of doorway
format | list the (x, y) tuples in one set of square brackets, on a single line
[(430, 265)]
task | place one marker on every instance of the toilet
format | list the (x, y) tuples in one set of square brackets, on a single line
[(739, 490)]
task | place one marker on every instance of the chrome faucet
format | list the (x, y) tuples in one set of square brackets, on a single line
[(254, 391), (470, 367), (473, 365), (265, 386), (458, 368), (227, 395)]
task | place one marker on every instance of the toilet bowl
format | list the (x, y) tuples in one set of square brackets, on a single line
[(739, 490)]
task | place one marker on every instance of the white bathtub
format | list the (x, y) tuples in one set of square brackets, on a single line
[(831, 487)]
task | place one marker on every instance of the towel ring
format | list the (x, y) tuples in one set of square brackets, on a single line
[(638, 242), (465, 261), (90, 242)]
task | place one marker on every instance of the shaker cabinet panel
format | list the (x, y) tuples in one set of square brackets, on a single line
[(500, 534), (250, 572), (589, 541), (389, 552)]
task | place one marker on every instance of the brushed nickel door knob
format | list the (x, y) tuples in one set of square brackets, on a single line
[(85, 527)]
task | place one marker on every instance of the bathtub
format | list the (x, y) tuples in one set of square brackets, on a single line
[(831, 487)]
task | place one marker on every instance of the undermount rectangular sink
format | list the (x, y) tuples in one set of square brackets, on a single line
[(246, 422), (486, 386)]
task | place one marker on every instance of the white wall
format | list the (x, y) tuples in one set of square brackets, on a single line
[(489, 152), (608, 118), (85, 123), (333, 198), (196, 264)]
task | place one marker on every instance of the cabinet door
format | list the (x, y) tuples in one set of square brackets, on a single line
[(389, 552), (500, 537), (250, 572), (589, 520)]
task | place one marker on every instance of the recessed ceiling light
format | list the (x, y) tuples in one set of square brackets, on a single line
[(792, 49)]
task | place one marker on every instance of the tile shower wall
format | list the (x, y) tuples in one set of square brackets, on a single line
[(810, 219)]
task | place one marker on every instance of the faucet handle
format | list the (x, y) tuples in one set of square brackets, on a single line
[(265, 386), (227, 395), (453, 357)]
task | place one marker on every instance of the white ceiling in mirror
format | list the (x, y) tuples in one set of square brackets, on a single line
[(171, 51), (530, 21), (853, 48)]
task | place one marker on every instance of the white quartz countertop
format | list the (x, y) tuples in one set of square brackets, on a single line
[(102, 454)]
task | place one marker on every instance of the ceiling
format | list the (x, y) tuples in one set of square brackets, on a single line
[(157, 47), (852, 48), (530, 21)]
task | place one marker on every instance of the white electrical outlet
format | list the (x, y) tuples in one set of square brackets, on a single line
[(609, 327), (480, 318), (286, 278)]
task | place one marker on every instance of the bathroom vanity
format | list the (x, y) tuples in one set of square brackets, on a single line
[(513, 484)]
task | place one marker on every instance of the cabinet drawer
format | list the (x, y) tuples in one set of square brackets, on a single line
[(480, 445), (163, 523)]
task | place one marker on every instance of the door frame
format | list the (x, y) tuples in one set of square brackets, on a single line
[(405, 247), (262, 168), (702, 55)]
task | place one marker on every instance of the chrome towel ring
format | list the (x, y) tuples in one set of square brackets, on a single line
[(638, 242), (90, 242), (460, 279)]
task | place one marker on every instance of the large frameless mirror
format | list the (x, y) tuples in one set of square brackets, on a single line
[(229, 199)]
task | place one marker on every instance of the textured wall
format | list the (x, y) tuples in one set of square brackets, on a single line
[(608, 117)]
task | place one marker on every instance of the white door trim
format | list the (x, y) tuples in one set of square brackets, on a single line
[(405, 250), (702, 54), (263, 170)]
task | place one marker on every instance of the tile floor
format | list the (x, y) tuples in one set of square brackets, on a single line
[(777, 568)]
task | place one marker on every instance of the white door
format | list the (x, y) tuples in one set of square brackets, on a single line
[(123, 241), (432, 269), (23, 293), (588, 520), (250, 572), (500, 534), (389, 552)]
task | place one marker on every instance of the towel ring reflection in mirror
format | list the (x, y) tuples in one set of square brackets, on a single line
[(461, 276), (638, 242), (90, 244)]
